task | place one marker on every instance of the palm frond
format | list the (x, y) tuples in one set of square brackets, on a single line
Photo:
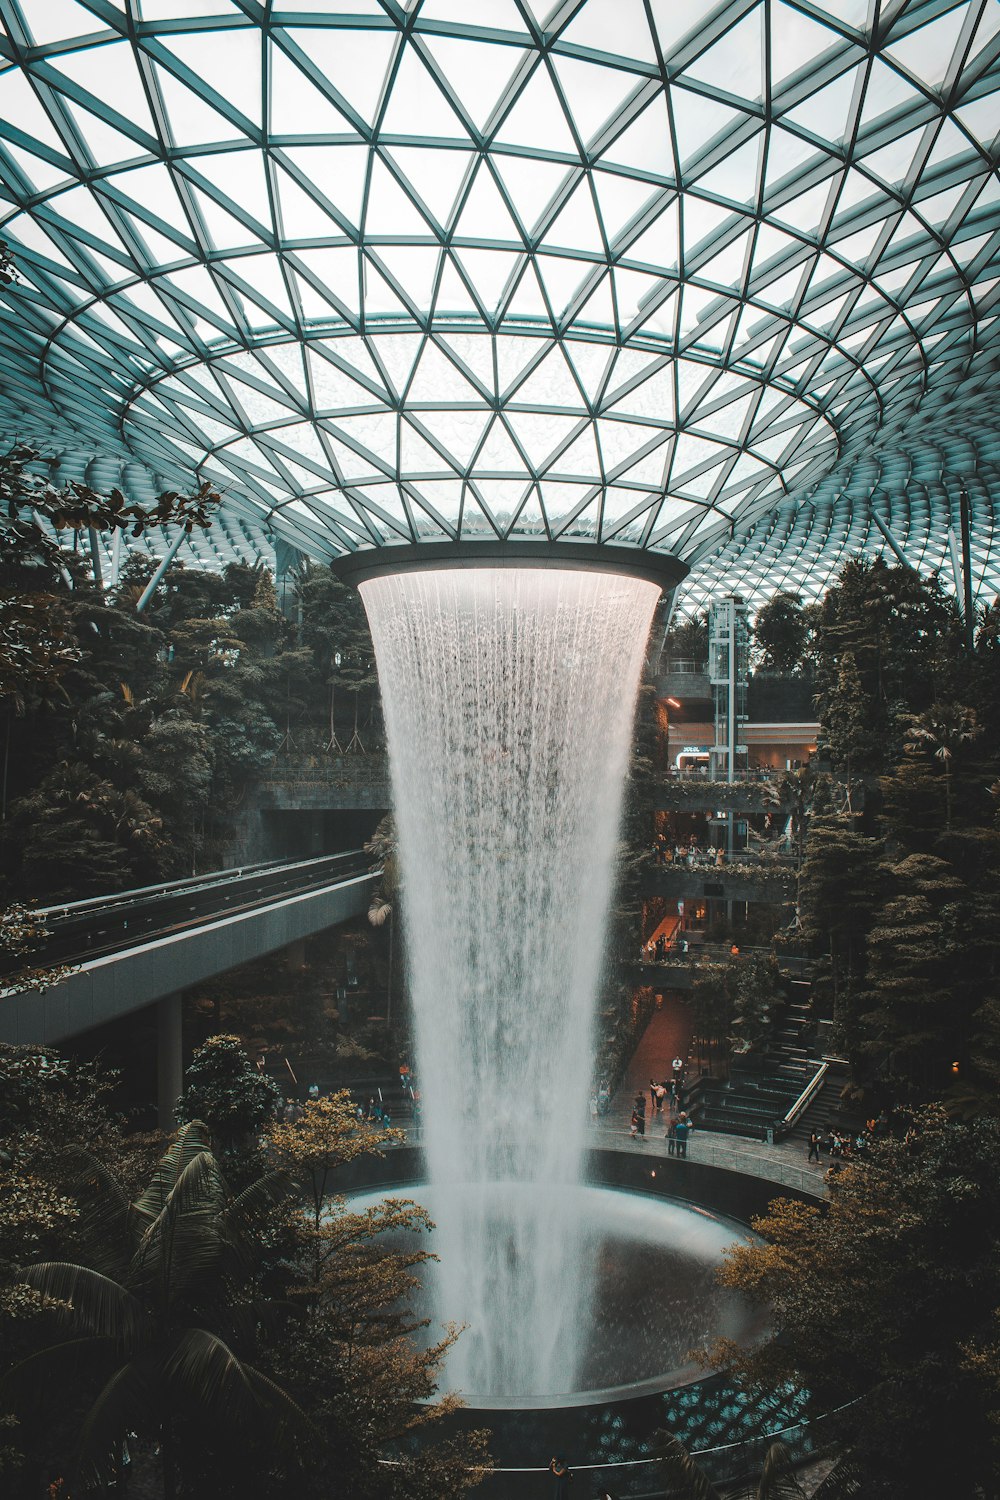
[(104, 1210), (204, 1369), (777, 1481), (842, 1483), (96, 1303), (682, 1472), (191, 1141)]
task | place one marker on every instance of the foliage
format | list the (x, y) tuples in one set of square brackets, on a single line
[(885, 640), (879, 1299), (326, 1138), (840, 884), (156, 1310), (686, 1480), (783, 632), (941, 731), (235, 1099)]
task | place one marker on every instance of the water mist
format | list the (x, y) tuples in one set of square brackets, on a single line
[(509, 694)]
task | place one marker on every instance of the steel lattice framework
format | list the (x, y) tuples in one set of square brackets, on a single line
[(712, 279)]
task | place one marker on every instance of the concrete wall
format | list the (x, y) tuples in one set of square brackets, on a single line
[(110, 987)]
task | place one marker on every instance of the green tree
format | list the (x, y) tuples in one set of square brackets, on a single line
[(236, 1100), (941, 731), (157, 1310), (917, 1010), (883, 1302), (782, 632), (840, 884)]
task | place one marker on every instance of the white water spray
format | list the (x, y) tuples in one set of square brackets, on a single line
[(509, 696)]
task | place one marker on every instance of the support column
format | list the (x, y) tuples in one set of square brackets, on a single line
[(169, 1059), (295, 955)]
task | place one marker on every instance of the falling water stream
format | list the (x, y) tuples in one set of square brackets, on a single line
[(509, 695)]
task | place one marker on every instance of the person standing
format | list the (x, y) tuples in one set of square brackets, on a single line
[(671, 1137), (813, 1147), (682, 1130), (561, 1476)]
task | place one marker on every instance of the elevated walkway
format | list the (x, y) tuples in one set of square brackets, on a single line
[(135, 948)]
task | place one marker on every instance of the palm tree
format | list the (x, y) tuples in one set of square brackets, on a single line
[(686, 1480), (942, 730), (164, 1306)]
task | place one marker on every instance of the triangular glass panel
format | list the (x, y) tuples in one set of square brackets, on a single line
[(735, 63), (488, 272), (485, 215), (228, 61), (621, 441), (530, 519), (459, 431), (153, 189), (19, 102), (797, 41), (654, 397), (726, 268), (633, 292), (540, 434), (590, 365), (434, 176), (355, 62), (297, 106), (927, 52), (337, 172), (301, 216), (885, 91), (615, 26), (594, 93), (41, 174), (537, 116), (105, 144), (580, 459), (949, 143), (561, 277), (332, 389), (980, 120), (109, 73), (389, 211), (698, 120), (549, 384), (620, 200), (437, 380), (701, 220), (599, 307), (674, 22), (380, 295), (453, 294), (527, 299), (806, 213), (223, 230), (398, 352), (416, 455), (645, 145), (735, 177), (828, 113), (240, 178), (892, 162), (576, 226), (476, 354), (530, 184), (477, 72), (414, 270), (416, 95), (659, 245), (498, 453)]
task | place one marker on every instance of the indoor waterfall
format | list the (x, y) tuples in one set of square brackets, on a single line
[(509, 696)]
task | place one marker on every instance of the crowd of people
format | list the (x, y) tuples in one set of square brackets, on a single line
[(666, 1102), (690, 854)]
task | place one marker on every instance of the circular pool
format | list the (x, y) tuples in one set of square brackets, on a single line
[(642, 1291)]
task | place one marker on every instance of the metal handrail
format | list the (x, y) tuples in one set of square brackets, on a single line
[(805, 1098)]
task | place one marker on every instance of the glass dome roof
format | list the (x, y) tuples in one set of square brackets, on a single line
[(706, 279)]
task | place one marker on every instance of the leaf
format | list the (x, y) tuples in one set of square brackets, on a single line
[(101, 1305)]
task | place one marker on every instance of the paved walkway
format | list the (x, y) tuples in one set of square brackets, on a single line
[(667, 1036)]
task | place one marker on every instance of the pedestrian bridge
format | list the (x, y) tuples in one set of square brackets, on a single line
[(135, 948)]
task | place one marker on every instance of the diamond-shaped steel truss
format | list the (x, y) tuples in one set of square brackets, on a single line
[(712, 279)]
